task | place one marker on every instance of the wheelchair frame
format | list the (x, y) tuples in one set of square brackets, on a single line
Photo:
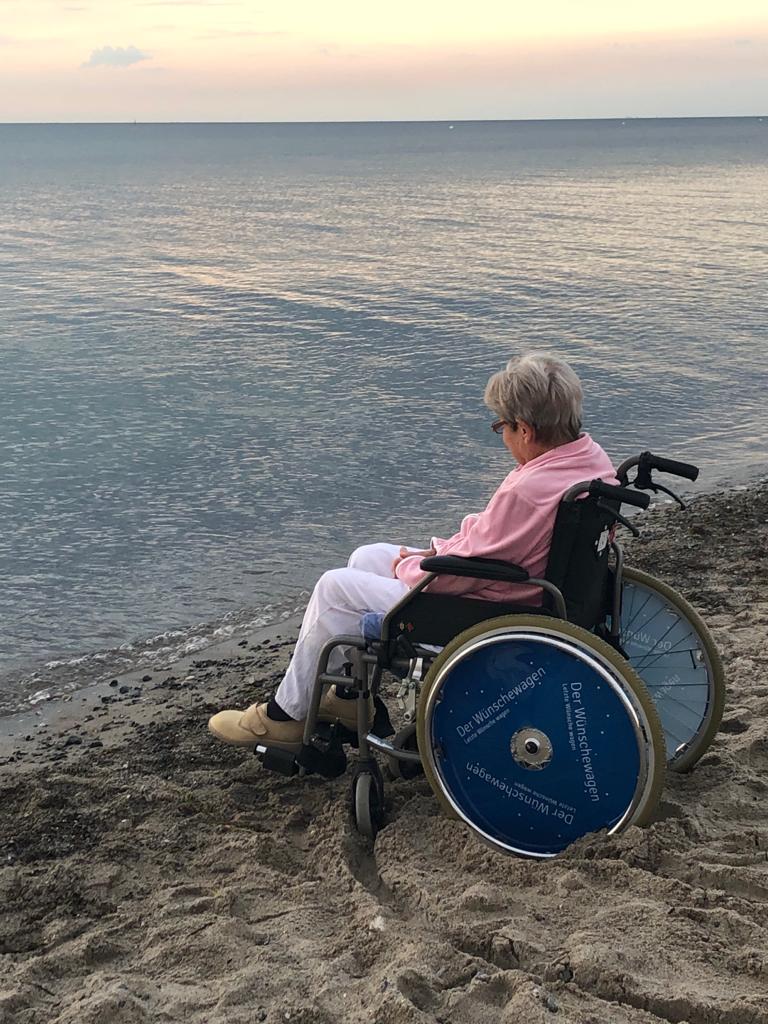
[(395, 652)]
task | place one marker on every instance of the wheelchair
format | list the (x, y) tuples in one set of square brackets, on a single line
[(534, 725)]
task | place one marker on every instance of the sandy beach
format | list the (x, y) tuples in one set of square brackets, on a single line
[(148, 873)]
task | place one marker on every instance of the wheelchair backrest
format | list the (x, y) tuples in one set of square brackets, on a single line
[(578, 558)]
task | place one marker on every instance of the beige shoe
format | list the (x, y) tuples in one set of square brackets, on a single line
[(247, 728), (335, 709)]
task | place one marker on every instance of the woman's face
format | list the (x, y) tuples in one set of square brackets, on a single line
[(513, 442), (520, 441)]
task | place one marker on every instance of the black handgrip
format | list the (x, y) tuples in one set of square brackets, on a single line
[(623, 494), (650, 461)]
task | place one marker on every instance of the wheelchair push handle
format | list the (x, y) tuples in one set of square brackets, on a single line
[(599, 489), (647, 461), (684, 469), (622, 494), (616, 495)]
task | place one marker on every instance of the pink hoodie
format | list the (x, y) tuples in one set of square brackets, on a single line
[(516, 525)]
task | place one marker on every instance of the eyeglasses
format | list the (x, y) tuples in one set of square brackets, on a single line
[(498, 425)]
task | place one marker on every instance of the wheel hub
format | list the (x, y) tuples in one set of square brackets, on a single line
[(531, 748)]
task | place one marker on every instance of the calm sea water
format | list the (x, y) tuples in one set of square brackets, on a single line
[(231, 353)]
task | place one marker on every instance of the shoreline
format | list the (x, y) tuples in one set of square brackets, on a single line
[(152, 651), (148, 873), (103, 664), (54, 677), (104, 699)]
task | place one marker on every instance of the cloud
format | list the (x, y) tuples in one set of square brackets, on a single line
[(115, 57)]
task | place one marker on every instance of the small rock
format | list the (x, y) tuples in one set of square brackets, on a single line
[(113, 682), (547, 1000), (95, 743), (72, 741), (124, 689), (146, 679)]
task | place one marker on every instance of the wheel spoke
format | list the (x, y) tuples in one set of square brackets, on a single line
[(680, 677)]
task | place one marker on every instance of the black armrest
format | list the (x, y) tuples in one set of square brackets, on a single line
[(476, 568)]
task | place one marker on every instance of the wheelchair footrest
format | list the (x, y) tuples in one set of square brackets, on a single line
[(328, 759), (283, 762)]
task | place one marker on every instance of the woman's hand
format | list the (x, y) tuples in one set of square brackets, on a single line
[(409, 553)]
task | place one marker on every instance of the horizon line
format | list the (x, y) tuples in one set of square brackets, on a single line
[(421, 120)]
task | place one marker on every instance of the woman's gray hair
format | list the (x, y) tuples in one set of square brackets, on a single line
[(543, 391)]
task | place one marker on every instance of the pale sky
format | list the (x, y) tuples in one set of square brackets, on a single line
[(299, 60)]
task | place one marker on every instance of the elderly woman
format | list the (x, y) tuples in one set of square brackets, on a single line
[(537, 400)]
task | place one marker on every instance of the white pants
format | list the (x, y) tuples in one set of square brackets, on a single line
[(339, 600)]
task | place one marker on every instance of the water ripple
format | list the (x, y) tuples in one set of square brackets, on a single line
[(232, 353)]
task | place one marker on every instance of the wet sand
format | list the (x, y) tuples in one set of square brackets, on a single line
[(148, 873)]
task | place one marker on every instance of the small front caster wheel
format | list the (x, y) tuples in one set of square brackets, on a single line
[(368, 801)]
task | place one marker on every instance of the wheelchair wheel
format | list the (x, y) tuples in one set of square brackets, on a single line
[(368, 801), (672, 651), (535, 732), (405, 739)]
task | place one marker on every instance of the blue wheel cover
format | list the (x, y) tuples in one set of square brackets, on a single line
[(508, 684), (665, 650)]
